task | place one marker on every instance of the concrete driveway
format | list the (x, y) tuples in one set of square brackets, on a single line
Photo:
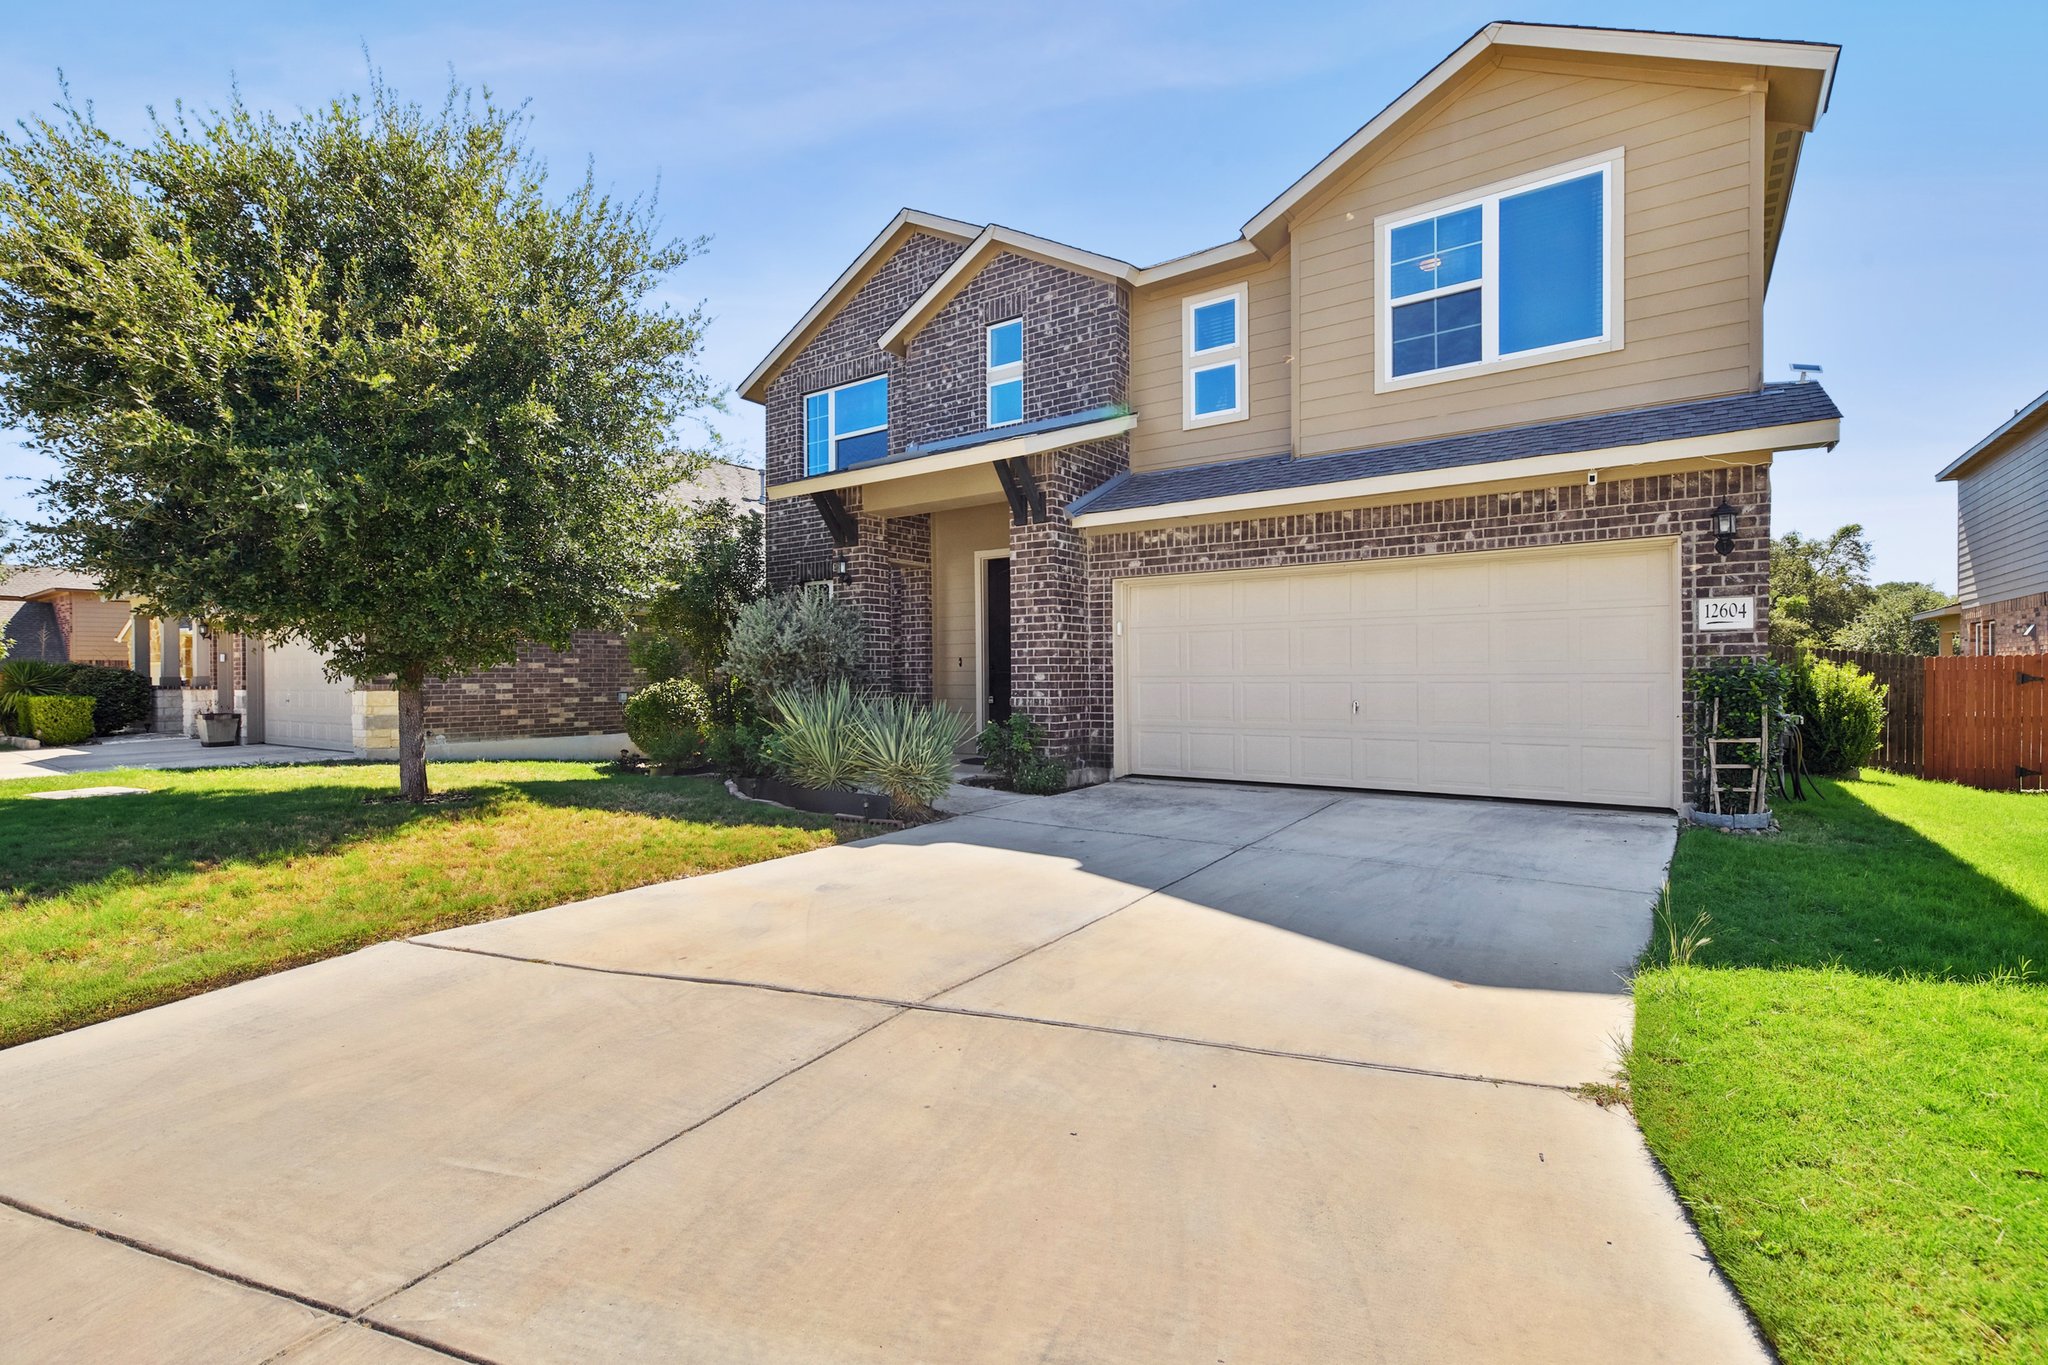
[(150, 751), (1148, 1072)]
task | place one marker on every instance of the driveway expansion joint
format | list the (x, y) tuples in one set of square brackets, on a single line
[(930, 1006)]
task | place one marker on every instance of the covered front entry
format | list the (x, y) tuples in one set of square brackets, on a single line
[(1549, 674)]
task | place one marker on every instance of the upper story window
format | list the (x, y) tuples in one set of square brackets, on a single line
[(1213, 378), (1006, 373), (846, 426), (1519, 274)]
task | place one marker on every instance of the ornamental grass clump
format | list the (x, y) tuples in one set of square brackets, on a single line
[(910, 749), (831, 737), (819, 741)]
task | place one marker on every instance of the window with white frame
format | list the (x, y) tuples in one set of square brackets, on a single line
[(1006, 372), (846, 426), (1213, 369), (1517, 275)]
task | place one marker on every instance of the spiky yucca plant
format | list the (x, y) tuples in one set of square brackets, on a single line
[(819, 740), (910, 748)]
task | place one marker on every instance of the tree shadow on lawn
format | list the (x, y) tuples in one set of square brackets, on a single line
[(1850, 884), (50, 847)]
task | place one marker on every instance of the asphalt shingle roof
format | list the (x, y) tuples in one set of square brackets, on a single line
[(1772, 406)]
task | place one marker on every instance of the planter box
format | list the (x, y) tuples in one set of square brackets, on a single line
[(1761, 820), (219, 729), (833, 801)]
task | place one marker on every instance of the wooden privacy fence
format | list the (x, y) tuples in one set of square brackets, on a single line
[(1987, 721), (1982, 722)]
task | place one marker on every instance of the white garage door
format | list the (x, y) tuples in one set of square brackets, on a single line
[(1545, 674), (299, 705)]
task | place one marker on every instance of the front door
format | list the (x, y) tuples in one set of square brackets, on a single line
[(995, 639)]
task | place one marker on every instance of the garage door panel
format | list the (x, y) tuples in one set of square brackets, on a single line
[(1534, 642), (1211, 652), (1382, 647), (1457, 705), (1267, 703), (301, 707), (1453, 585), (1534, 705), (1513, 673), (1212, 703), (1533, 585)]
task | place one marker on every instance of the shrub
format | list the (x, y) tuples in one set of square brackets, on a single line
[(125, 697), (801, 639), (1041, 775), (910, 748), (738, 749), (1841, 710), (657, 657), (21, 679), (665, 721), (57, 720), (1014, 751), (819, 739), (1751, 695)]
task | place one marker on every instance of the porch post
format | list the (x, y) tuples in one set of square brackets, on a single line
[(202, 657), (222, 648), (168, 671), (138, 643), (252, 689)]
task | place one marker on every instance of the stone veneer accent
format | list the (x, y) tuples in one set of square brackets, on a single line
[(2007, 617), (1678, 505)]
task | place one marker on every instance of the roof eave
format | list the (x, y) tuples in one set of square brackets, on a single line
[(754, 387), (992, 241), (1987, 448)]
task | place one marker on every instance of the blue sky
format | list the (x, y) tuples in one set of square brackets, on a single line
[(1912, 266)]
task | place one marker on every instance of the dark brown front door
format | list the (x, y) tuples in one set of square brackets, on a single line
[(995, 637)]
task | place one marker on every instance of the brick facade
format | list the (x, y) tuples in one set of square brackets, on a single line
[(844, 350), (2006, 620), (541, 694), (1680, 505)]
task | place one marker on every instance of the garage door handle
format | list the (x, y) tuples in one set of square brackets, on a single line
[(1354, 707)]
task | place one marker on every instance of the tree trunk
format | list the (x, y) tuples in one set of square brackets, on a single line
[(412, 735)]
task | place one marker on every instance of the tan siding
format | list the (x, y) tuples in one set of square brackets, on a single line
[(2002, 525), (1692, 280), (956, 535), (95, 622), (1156, 342)]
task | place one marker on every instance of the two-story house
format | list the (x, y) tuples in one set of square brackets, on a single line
[(2001, 539), (1438, 477)]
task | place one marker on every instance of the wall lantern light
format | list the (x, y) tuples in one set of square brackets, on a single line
[(842, 568), (1724, 529)]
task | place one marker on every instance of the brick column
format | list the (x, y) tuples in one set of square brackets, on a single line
[(1053, 668), (891, 587)]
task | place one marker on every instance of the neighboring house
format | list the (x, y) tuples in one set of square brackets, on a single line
[(2002, 537), (1438, 477), (61, 617), (544, 704)]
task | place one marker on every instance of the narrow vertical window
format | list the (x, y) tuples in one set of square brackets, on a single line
[(818, 433), (1006, 373), (1213, 367)]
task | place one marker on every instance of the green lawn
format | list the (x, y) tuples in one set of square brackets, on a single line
[(113, 904), (1849, 1085)]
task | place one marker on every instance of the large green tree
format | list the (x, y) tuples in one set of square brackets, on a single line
[(1821, 594), (713, 571), (360, 377)]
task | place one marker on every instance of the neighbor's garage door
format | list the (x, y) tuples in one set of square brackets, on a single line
[(299, 705), (1550, 674)]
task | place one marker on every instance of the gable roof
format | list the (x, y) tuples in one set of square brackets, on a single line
[(995, 239), (905, 223), (1793, 415), (1799, 76), (1993, 443)]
